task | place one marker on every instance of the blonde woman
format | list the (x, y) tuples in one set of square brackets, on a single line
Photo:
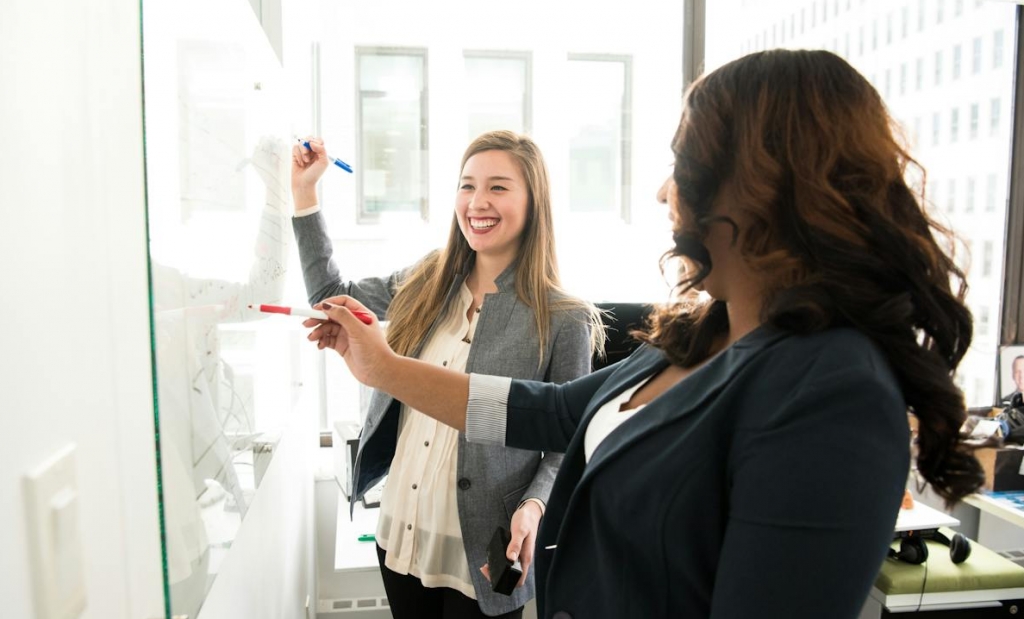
[(490, 301)]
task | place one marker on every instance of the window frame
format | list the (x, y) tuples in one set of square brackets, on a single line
[(626, 127), (527, 58), (362, 217), (1011, 318)]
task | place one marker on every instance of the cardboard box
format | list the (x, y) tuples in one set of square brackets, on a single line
[(1002, 468)]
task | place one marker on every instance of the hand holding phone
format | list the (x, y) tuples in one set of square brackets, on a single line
[(505, 574)]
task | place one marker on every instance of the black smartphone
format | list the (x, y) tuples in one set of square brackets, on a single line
[(505, 574)]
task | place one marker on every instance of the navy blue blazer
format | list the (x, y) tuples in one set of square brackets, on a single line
[(766, 484)]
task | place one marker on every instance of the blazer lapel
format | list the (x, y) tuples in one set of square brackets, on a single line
[(689, 396)]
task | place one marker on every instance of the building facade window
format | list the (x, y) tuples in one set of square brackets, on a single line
[(990, 193), (997, 49), (974, 121), (954, 125), (957, 53), (391, 112), (976, 57)]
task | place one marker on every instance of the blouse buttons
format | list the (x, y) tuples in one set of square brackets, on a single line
[(414, 486), (444, 363)]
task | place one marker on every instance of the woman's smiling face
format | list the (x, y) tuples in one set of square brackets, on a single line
[(492, 204)]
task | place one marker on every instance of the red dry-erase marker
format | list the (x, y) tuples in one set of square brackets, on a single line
[(308, 313)]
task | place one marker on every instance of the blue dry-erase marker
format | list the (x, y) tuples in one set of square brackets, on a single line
[(338, 162)]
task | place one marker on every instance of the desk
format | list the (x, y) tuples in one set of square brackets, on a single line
[(349, 552), (996, 507), (921, 518)]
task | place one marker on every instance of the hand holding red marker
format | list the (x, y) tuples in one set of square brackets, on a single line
[(364, 317)]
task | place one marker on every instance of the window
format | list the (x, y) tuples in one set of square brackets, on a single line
[(920, 15), (954, 125), (997, 49), (974, 121), (497, 91), (969, 202), (936, 128), (874, 35), (994, 116), (987, 256), (940, 6), (984, 320), (951, 196), (938, 67), (956, 61), (598, 134), (888, 83), (958, 7), (919, 74), (976, 57), (904, 21), (888, 29), (860, 41), (903, 79), (990, 193), (392, 121)]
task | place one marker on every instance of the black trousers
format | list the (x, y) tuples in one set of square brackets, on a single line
[(409, 599)]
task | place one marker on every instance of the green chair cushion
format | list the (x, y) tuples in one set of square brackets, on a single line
[(984, 569)]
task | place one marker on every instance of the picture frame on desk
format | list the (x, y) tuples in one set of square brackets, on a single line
[(1008, 382)]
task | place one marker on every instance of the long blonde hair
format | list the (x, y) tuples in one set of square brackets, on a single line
[(420, 299)]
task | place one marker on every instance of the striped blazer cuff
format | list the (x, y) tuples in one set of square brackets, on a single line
[(487, 409)]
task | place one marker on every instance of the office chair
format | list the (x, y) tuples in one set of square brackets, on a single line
[(619, 319)]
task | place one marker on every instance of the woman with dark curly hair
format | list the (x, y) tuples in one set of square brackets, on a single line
[(750, 459)]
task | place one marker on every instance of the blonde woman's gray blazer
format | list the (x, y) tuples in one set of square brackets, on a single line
[(492, 480)]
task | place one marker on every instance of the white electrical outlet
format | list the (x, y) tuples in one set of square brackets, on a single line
[(51, 502)]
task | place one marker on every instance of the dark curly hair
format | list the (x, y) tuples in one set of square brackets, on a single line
[(834, 230)]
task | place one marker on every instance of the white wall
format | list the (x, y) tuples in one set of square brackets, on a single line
[(74, 321)]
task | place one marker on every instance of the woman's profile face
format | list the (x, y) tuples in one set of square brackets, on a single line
[(492, 204)]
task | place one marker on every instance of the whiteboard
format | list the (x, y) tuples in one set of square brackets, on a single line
[(217, 167)]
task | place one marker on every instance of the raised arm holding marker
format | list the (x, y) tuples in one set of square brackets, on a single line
[(308, 313), (338, 162)]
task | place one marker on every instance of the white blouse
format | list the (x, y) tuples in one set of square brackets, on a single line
[(419, 518), (608, 418)]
